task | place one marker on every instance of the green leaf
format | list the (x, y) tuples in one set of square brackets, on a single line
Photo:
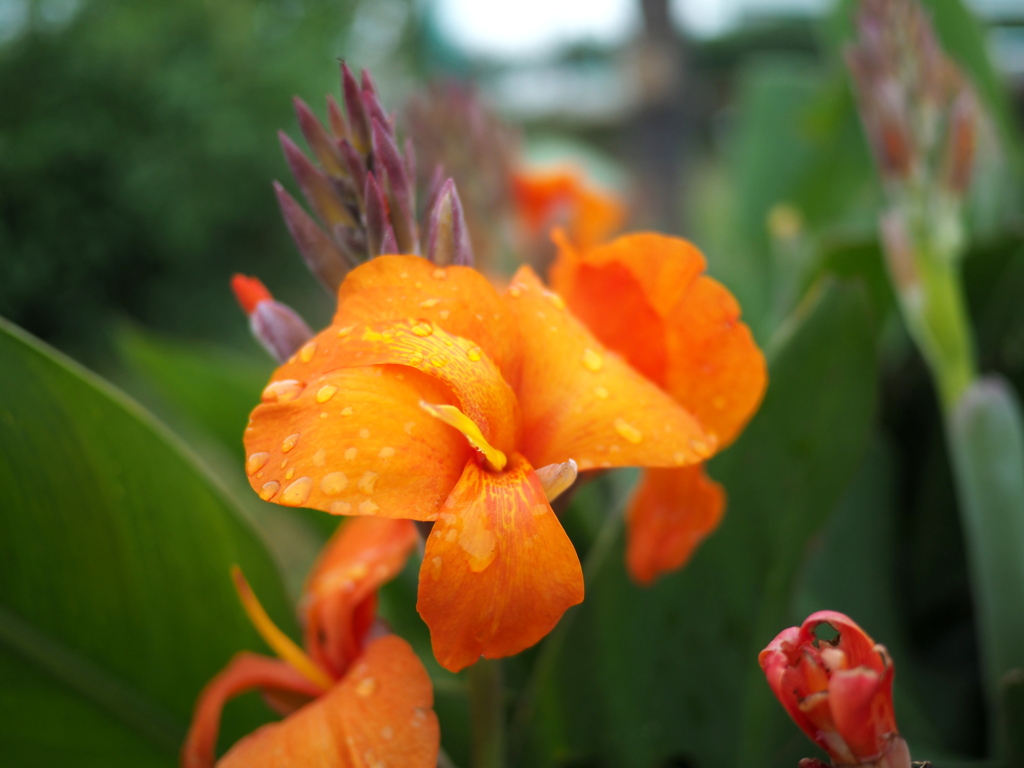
[(986, 438), (116, 605), (669, 675)]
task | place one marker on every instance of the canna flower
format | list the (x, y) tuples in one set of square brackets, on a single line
[(357, 698), (433, 397), (547, 198), (838, 691), (645, 297)]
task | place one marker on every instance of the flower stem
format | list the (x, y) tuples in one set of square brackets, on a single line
[(487, 704)]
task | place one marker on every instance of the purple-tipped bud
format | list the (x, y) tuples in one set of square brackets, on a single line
[(448, 240), (376, 212), (279, 329), (389, 244), (322, 256), (367, 82), (961, 136), (316, 187), (410, 166), (437, 179), (318, 140), (356, 167), (357, 116), (398, 187), (336, 119)]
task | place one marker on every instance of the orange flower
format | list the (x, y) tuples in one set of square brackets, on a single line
[(646, 297), (358, 698), (545, 198), (434, 398), (838, 691)]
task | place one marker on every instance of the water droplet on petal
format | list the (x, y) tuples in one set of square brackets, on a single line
[(601, 393), (350, 453), (367, 481), (440, 274), (298, 492), (592, 361), (555, 299), (366, 687), (289, 442), (340, 508), (283, 391), (473, 353), (679, 458), (334, 483), (444, 313), (386, 452), (269, 490), (422, 329), (367, 508), (409, 426), (700, 448), (628, 432), (320, 458), (438, 361), (326, 392), (289, 474), (256, 462), (515, 291), (364, 433), (343, 332), (428, 303), (346, 411), (307, 352), (415, 359)]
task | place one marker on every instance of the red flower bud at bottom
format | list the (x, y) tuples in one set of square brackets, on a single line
[(838, 691)]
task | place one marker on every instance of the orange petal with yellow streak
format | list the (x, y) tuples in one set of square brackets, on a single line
[(243, 673), (671, 512), (480, 390), (498, 571), (355, 442), (580, 401), (340, 598), (459, 299), (379, 714)]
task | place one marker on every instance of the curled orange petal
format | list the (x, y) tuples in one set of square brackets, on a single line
[(458, 299), (244, 672), (544, 198), (671, 512), (675, 325), (340, 599), (355, 442), (581, 401), (498, 571), (379, 714)]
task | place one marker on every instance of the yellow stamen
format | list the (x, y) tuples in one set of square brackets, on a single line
[(556, 478), (453, 417), (282, 645)]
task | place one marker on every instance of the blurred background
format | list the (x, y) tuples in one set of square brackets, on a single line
[(137, 149)]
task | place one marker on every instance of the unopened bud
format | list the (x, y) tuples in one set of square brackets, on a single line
[(322, 256), (448, 238), (276, 326)]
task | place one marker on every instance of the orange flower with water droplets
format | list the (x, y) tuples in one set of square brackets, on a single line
[(433, 397), (646, 297), (560, 197), (355, 696), (838, 690)]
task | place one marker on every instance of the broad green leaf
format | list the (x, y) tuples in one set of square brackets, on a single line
[(648, 677), (116, 605), (986, 437)]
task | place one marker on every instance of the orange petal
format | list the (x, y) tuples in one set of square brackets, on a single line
[(354, 442), (459, 299), (544, 198), (243, 673), (678, 327), (498, 571), (671, 512), (481, 391), (715, 368), (580, 401), (379, 714), (339, 602)]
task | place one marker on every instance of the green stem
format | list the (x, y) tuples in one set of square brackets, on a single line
[(487, 704)]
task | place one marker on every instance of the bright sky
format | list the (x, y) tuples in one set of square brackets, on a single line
[(534, 27)]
